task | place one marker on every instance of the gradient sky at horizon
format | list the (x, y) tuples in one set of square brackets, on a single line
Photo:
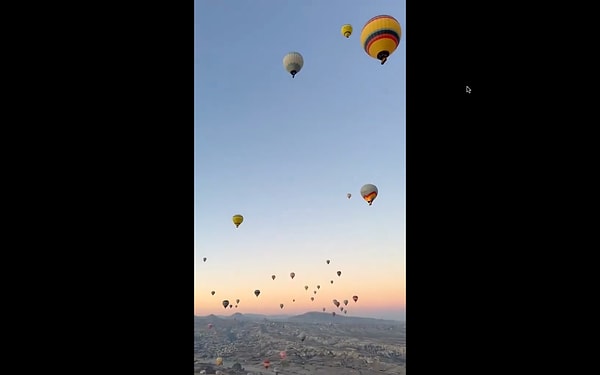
[(284, 152)]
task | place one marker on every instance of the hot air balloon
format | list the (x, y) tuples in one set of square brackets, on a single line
[(231, 306), (225, 303), (380, 37), (237, 300), (293, 300), (333, 313), (212, 293), (204, 259), (323, 309), (347, 30), (342, 308), (346, 302), (339, 273), (256, 292), (210, 325), (293, 62), (369, 193), (314, 292), (345, 311), (312, 298), (273, 277), (305, 287), (292, 275), (355, 298), (236, 306), (266, 363), (219, 361), (318, 286), (281, 305), (328, 261), (331, 281), (237, 220), (349, 195), (282, 355)]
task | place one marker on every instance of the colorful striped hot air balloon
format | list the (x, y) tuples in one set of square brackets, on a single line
[(380, 37)]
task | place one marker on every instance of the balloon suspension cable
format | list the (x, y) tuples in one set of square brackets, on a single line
[(383, 60)]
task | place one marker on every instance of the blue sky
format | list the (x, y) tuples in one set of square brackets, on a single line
[(284, 152)]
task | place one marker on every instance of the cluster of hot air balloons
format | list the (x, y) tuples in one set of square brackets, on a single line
[(379, 38), (226, 304)]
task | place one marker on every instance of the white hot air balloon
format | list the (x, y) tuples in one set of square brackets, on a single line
[(369, 193), (349, 195), (293, 62)]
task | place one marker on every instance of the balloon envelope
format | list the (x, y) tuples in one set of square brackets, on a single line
[(380, 37), (369, 193), (293, 63), (346, 30), (237, 220)]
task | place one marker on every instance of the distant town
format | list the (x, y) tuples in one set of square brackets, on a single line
[(309, 344)]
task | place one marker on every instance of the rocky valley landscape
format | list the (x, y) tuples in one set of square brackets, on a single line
[(309, 344)]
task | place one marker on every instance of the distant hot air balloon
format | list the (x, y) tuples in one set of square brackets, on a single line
[(237, 220), (318, 286), (346, 302), (323, 309), (219, 361), (292, 275), (380, 37), (273, 277), (236, 306), (339, 273), (347, 30), (212, 293), (256, 292), (204, 259), (345, 311), (282, 354), (355, 298), (349, 195), (332, 281), (237, 300), (281, 305), (210, 325), (314, 292), (266, 363), (369, 193), (305, 287), (231, 306), (342, 308), (328, 261), (312, 298), (225, 303), (293, 62), (293, 300), (333, 313)]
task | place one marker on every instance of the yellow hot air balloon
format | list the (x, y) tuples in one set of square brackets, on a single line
[(293, 62), (347, 30), (237, 220), (380, 37), (219, 361)]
